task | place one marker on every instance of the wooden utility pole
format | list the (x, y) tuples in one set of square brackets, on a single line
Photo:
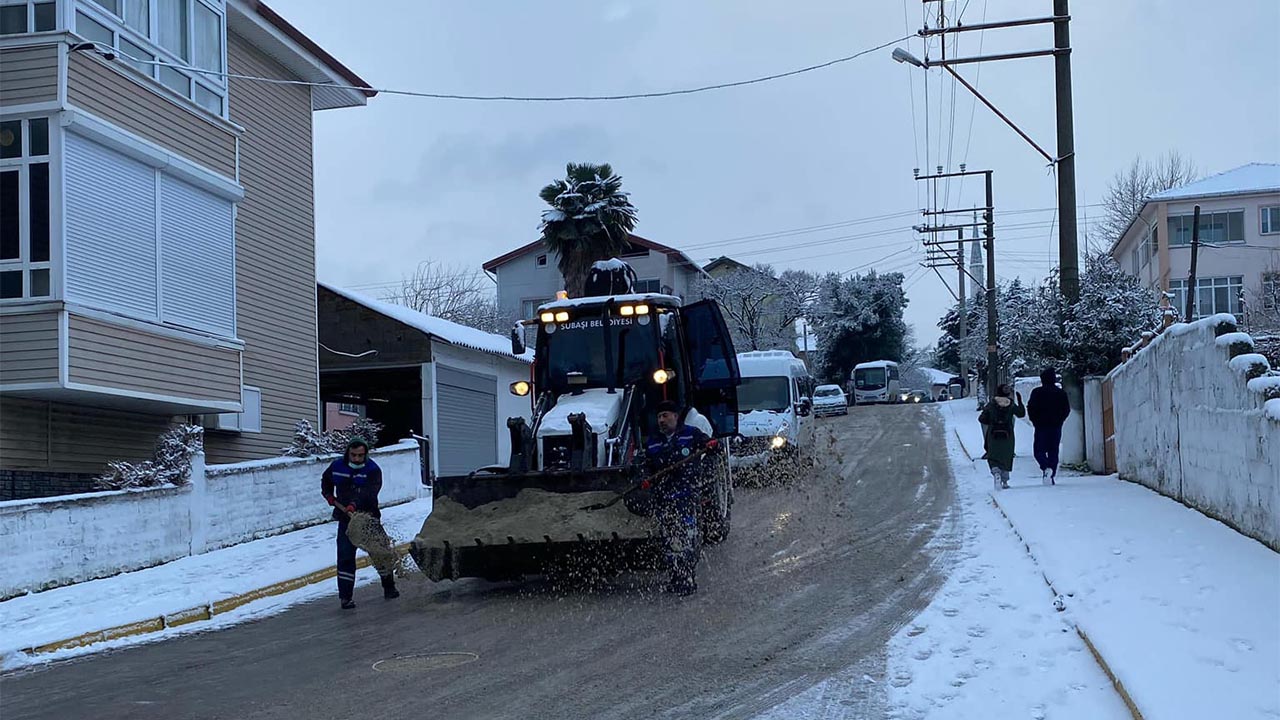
[(1195, 254)]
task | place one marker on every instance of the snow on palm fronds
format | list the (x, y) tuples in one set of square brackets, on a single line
[(170, 464)]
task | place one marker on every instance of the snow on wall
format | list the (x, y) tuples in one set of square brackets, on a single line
[(277, 495), (62, 540), (1189, 427)]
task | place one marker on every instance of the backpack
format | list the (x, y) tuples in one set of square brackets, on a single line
[(1001, 424)]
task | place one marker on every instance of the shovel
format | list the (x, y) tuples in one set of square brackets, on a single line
[(367, 533), (640, 485)]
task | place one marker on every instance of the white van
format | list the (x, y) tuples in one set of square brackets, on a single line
[(773, 410), (875, 382)]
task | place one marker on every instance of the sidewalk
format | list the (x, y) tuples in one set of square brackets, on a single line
[(1183, 610), (190, 594)]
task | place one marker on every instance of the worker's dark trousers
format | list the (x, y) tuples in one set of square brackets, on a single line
[(1046, 447), (678, 523), (346, 563)]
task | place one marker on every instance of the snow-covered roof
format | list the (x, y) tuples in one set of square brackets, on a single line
[(770, 363), (651, 298), (438, 328), (874, 364), (937, 377), (1251, 179), (1248, 179)]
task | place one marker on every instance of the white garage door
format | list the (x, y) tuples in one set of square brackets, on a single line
[(468, 420)]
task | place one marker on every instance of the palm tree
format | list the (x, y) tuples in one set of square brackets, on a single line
[(590, 219)]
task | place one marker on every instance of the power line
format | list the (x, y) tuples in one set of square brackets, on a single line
[(105, 49)]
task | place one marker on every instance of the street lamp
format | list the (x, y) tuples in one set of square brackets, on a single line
[(903, 56)]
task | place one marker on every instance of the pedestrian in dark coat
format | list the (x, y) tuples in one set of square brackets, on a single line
[(998, 416), (1047, 409), (351, 484), (677, 494)]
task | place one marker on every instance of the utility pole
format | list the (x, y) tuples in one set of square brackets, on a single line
[(1068, 249), (964, 311), (938, 255), (993, 355), (1195, 253)]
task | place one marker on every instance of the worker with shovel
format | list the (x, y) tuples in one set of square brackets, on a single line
[(676, 493), (351, 484)]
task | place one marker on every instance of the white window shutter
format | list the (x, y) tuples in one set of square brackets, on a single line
[(111, 229), (197, 258)]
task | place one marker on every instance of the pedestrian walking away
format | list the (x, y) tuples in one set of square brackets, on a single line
[(676, 493), (998, 417), (351, 484), (1047, 409)]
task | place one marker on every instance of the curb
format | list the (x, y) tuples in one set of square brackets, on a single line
[(201, 613), (1093, 650)]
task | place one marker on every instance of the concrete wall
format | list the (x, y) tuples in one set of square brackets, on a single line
[(1188, 427), (58, 541), (1094, 442)]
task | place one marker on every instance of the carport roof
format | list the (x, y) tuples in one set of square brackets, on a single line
[(438, 328)]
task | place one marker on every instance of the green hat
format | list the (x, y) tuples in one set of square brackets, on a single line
[(357, 441)]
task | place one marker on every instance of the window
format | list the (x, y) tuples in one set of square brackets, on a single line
[(1270, 220), (1271, 291), (150, 244), (648, 286), (1144, 250), (349, 408), (529, 307), (1135, 260), (1213, 295), (24, 17), (1219, 228), (170, 41), (540, 261), (24, 209)]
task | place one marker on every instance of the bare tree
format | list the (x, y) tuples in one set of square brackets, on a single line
[(457, 294), (1131, 187), (761, 309)]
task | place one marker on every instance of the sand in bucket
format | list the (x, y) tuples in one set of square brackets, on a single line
[(366, 532)]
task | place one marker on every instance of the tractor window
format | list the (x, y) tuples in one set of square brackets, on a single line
[(713, 365), (578, 346)]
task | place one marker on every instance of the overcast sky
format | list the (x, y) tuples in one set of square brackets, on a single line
[(405, 180)]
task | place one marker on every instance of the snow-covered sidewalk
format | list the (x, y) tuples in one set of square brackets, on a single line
[(174, 590), (1183, 609), (991, 644)]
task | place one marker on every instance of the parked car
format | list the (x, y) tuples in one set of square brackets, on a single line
[(829, 400)]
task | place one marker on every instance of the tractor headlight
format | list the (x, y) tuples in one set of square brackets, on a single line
[(778, 442), (627, 310), (520, 388), (562, 316), (662, 375), (547, 317)]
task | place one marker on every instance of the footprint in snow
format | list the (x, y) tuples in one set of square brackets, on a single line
[(1242, 645), (901, 679), (923, 654), (917, 630), (950, 612), (977, 631)]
